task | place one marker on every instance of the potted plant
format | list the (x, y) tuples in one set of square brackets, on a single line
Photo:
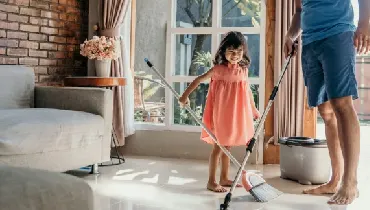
[(103, 50), (203, 59)]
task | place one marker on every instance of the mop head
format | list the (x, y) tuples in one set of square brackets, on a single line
[(258, 188)]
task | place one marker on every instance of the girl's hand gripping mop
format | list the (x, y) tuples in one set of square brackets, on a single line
[(253, 183)]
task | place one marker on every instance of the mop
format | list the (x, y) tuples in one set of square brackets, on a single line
[(253, 183)]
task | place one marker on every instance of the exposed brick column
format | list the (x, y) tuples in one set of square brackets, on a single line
[(44, 35)]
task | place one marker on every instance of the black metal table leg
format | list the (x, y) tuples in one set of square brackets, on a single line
[(120, 159), (116, 148)]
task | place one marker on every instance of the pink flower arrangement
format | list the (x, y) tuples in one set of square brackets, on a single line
[(100, 48)]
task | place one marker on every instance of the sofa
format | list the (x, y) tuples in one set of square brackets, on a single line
[(33, 189), (52, 128)]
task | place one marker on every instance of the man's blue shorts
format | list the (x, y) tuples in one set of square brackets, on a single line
[(329, 68)]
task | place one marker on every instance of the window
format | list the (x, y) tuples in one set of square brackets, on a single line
[(363, 79), (194, 31)]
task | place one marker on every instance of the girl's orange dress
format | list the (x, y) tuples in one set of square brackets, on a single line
[(228, 112)]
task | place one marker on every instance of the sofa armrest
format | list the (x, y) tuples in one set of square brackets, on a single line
[(92, 100)]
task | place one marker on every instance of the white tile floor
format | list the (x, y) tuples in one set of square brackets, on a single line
[(147, 183), (151, 183)]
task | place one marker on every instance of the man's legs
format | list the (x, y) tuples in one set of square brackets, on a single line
[(338, 58), (329, 71), (349, 136), (331, 132)]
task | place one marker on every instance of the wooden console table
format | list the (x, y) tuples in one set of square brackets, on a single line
[(108, 82), (102, 82)]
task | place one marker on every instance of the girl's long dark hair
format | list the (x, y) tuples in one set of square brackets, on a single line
[(232, 39)]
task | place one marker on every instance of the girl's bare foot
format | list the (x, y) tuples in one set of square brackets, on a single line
[(212, 186), (228, 183), (345, 195), (327, 188)]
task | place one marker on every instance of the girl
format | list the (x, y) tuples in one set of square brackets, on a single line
[(230, 108)]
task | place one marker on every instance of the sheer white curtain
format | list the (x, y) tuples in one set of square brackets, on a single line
[(128, 93)]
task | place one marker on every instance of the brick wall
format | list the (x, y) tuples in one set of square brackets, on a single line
[(44, 35)]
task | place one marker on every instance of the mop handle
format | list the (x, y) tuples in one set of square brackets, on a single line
[(271, 99), (187, 107)]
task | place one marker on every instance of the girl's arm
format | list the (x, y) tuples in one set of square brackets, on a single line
[(194, 84), (256, 113), (251, 98)]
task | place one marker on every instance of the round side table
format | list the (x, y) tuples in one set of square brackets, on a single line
[(107, 82), (102, 82)]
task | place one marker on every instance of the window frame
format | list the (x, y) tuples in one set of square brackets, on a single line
[(215, 31)]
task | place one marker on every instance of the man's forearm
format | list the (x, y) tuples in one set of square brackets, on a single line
[(364, 11), (295, 26)]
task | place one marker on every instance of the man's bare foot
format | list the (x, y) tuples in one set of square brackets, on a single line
[(345, 195), (228, 183), (212, 186), (327, 188)]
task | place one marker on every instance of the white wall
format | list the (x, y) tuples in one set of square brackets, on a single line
[(177, 144), (150, 39)]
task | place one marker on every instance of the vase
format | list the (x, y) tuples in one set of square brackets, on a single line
[(102, 68)]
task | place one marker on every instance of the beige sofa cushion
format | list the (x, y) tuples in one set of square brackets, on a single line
[(38, 130), (31, 189), (17, 84)]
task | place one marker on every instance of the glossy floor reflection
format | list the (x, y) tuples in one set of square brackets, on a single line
[(148, 183)]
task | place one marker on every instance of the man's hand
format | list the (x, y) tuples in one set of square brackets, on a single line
[(362, 37), (288, 46)]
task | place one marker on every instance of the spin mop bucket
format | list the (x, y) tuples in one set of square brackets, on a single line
[(254, 184)]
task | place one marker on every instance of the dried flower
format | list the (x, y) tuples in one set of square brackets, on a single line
[(100, 48)]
